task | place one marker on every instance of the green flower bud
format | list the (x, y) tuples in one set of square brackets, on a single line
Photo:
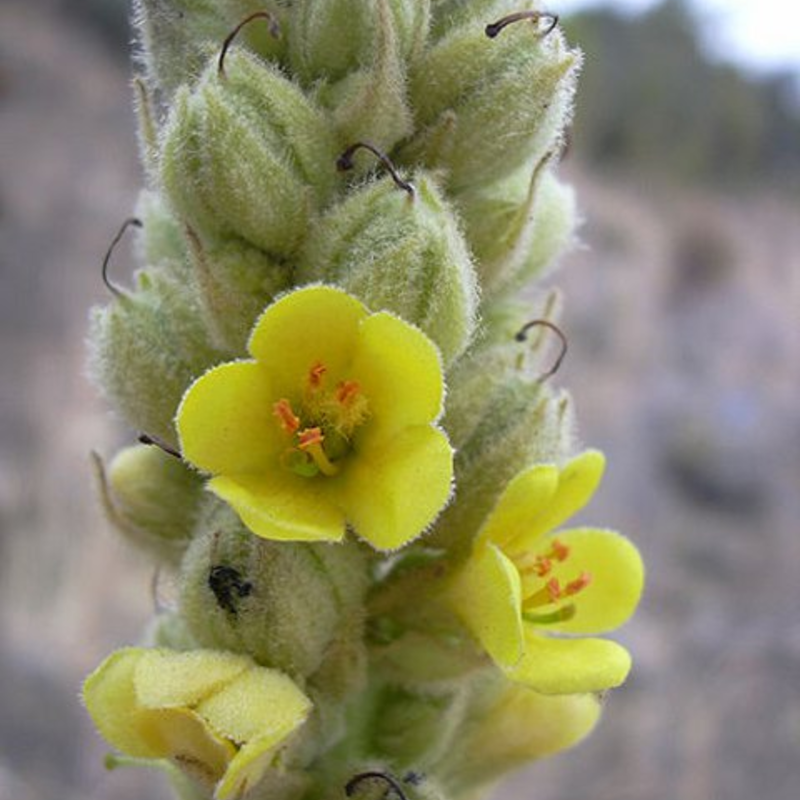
[(400, 252), (518, 226), (152, 498), (329, 39), (286, 604), (488, 105), (500, 420), (180, 36), (368, 102), (147, 347), (415, 728), (246, 155), (237, 282), (161, 241)]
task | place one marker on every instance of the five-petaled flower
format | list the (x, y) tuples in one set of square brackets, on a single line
[(522, 581), (216, 715), (331, 422)]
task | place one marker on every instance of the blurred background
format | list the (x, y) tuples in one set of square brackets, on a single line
[(683, 315)]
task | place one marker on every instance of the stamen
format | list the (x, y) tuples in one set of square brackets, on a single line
[(559, 551), (345, 163), (310, 441), (347, 392), (309, 437), (536, 17), (315, 375), (543, 566), (578, 585), (548, 594), (287, 418), (522, 334), (115, 290), (274, 29)]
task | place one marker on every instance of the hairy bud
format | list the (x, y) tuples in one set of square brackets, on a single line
[(288, 605), (247, 155), (485, 105), (400, 252), (147, 347), (151, 497)]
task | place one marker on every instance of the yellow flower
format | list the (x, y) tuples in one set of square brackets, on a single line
[(332, 422), (522, 582), (217, 715)]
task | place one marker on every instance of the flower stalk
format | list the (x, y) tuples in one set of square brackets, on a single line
[(363, 462)]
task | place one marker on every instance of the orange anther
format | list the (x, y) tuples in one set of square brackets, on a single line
[(309, 437), (581, 582), (283, 411), (554, 589), (315, 375), (559, 551), (542, 566), (347, 391)]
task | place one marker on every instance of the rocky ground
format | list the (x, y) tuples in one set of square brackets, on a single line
[(685, 365)]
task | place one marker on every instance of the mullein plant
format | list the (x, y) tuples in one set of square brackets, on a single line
[(349, 454)]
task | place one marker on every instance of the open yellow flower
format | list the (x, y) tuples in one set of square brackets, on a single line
[(523, 582), (332, 422), (217, 715)]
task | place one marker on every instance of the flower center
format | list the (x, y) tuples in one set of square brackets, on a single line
[(321, 432), (544, 595)]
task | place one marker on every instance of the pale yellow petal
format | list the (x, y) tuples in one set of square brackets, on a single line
[(617, 579), (400, 372), (284, 507), (577, 482), (317, 324), (485, 593), (225, 420), (568, 666), (524, 500), (393, 493), (173, 679)]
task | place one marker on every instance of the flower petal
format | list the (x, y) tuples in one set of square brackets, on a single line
[(308, 326), (393, 493), (400, 372), (187, 740), (260, 709), (577, 482), (485, 593), (569, 666), (110, 697), (225, 421), (523, 500), (285, 507), (524, 725), (616, 584), (248, 767), (172, 679), (259, 703)]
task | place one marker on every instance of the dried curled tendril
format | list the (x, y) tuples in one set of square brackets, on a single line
[(274, 29), (522, 334), (545, 22), (131, 221), (345, 162)]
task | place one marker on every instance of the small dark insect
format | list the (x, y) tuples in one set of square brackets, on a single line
[(228, 586)]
